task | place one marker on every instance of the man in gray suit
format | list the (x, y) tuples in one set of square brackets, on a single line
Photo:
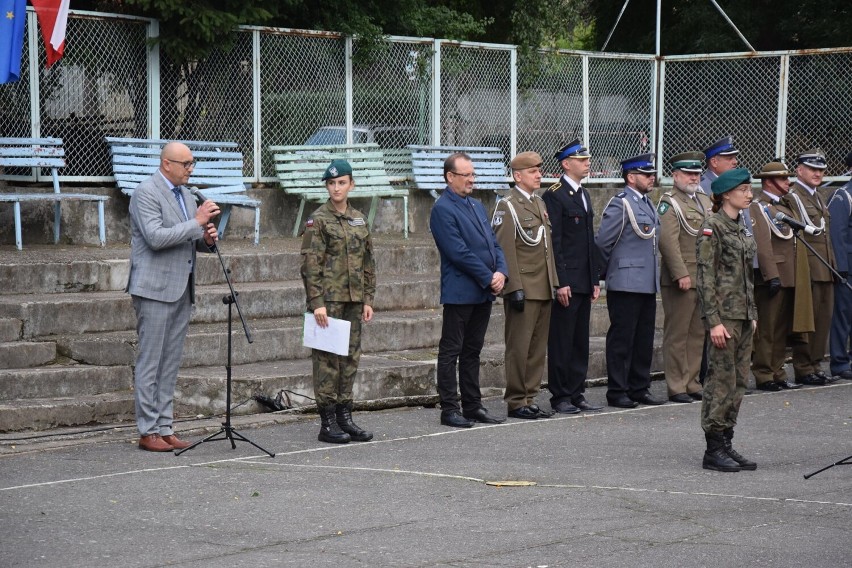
[(627, 240), (166, 230)]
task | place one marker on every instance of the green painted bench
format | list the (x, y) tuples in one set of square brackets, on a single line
[(300, 169), (218, 171), (41, 153)]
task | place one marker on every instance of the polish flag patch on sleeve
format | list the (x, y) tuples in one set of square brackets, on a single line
[(309, 223), (708, 232)]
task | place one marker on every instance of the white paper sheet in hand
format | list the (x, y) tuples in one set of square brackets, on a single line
[(334, 338)]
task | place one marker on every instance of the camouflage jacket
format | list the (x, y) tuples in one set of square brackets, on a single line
[(337, 258), (725, 251)]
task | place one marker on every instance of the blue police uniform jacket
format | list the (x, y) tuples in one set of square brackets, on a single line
[(470, 254), (631, 263), (840, 210)]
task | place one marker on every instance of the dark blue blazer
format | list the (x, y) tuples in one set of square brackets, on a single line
[(469, 251)]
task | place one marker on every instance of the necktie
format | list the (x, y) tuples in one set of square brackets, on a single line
[(698, 203), (181, 204)]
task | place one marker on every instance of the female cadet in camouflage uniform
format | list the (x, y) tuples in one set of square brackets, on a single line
[(340, 281), (725, 249)]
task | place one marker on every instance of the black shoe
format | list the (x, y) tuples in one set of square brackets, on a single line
[(330, 431), (481, 415), (681, 397), (541, 413), (524, 412), (565, 407), (847, 375), (715, 457), (455, 419), (621, 402), (699, 395), (828, 380), (344, 420), (743, 462), (771, 386), (585, 406), (811, 380), (648, 399), (787, 385)]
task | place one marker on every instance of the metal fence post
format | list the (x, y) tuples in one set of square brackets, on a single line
[(255, 77), (153, 32), (783, 93), (350, 111), (658, 119), (436, 93), (513, 103), (586, 105), (35, 98)]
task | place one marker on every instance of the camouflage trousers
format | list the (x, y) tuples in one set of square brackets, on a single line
[(727, 371), (335, 374)]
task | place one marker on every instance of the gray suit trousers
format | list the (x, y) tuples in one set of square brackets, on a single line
[(162, 328)]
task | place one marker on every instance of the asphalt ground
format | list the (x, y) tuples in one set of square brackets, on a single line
[(616, 488)]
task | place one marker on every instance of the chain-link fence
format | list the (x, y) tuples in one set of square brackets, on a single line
[(294, 87)]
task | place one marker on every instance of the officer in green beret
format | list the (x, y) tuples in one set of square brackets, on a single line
[(339, 275), (682, 212), (725, 251)]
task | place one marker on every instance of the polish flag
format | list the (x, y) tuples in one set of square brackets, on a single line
[(53, 19)]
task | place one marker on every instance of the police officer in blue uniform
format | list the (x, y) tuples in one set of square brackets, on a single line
[(840, 210), (569, 206), (627, 240), (721, 156)]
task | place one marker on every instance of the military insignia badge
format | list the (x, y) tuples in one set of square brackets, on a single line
[(662, 208), (498, 220), (357, 222), (707, 232), (333, 171), (309, 223)]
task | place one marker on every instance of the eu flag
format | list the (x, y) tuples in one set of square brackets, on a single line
[(13, 16)]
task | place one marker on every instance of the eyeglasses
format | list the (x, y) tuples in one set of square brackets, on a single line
[(188, 165), (745, 190), (465, 176)]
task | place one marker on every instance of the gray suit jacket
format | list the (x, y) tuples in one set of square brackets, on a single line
[(162, 243), (631, 263)]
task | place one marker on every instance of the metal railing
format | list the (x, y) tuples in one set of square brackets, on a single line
[(290, 87)]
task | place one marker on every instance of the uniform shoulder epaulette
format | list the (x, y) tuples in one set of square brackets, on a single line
[(622, 194), (555, 186), (668, 194)]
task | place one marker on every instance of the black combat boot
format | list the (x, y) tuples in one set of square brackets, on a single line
[(735, 455), (329, 431), (344, 420), (716, 458)]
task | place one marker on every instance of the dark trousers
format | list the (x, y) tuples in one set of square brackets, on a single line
[(841, 329), (462, 337), (568, 349), (629, 342)]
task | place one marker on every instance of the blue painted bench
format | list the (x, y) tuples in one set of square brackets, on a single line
[(427, 167), (218, 172), (42, 153), (300, 169)]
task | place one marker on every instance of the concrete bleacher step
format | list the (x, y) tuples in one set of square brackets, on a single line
[(48, 314), (18, 354), (10, 329), (274, 339), (53, 412), (61, 272), (201, 390), (63, 381)]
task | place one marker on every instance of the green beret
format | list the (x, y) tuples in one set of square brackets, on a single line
[(729, 180), (336, 169)]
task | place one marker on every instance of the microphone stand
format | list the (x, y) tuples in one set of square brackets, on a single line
[(845, 282), (227, 432)]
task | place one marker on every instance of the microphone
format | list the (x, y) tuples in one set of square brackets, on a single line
[(796, 225), (196, 193)]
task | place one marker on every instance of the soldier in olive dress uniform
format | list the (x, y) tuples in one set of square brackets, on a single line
[(682, 212), (725, 250), (809, 352), (521, 224), (339, 275), (627, 241), (774, 278)]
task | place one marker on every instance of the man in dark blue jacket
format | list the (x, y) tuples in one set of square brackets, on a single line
[(473, 271)]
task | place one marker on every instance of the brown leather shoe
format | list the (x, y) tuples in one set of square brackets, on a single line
[(154, 443), (176, 443)]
